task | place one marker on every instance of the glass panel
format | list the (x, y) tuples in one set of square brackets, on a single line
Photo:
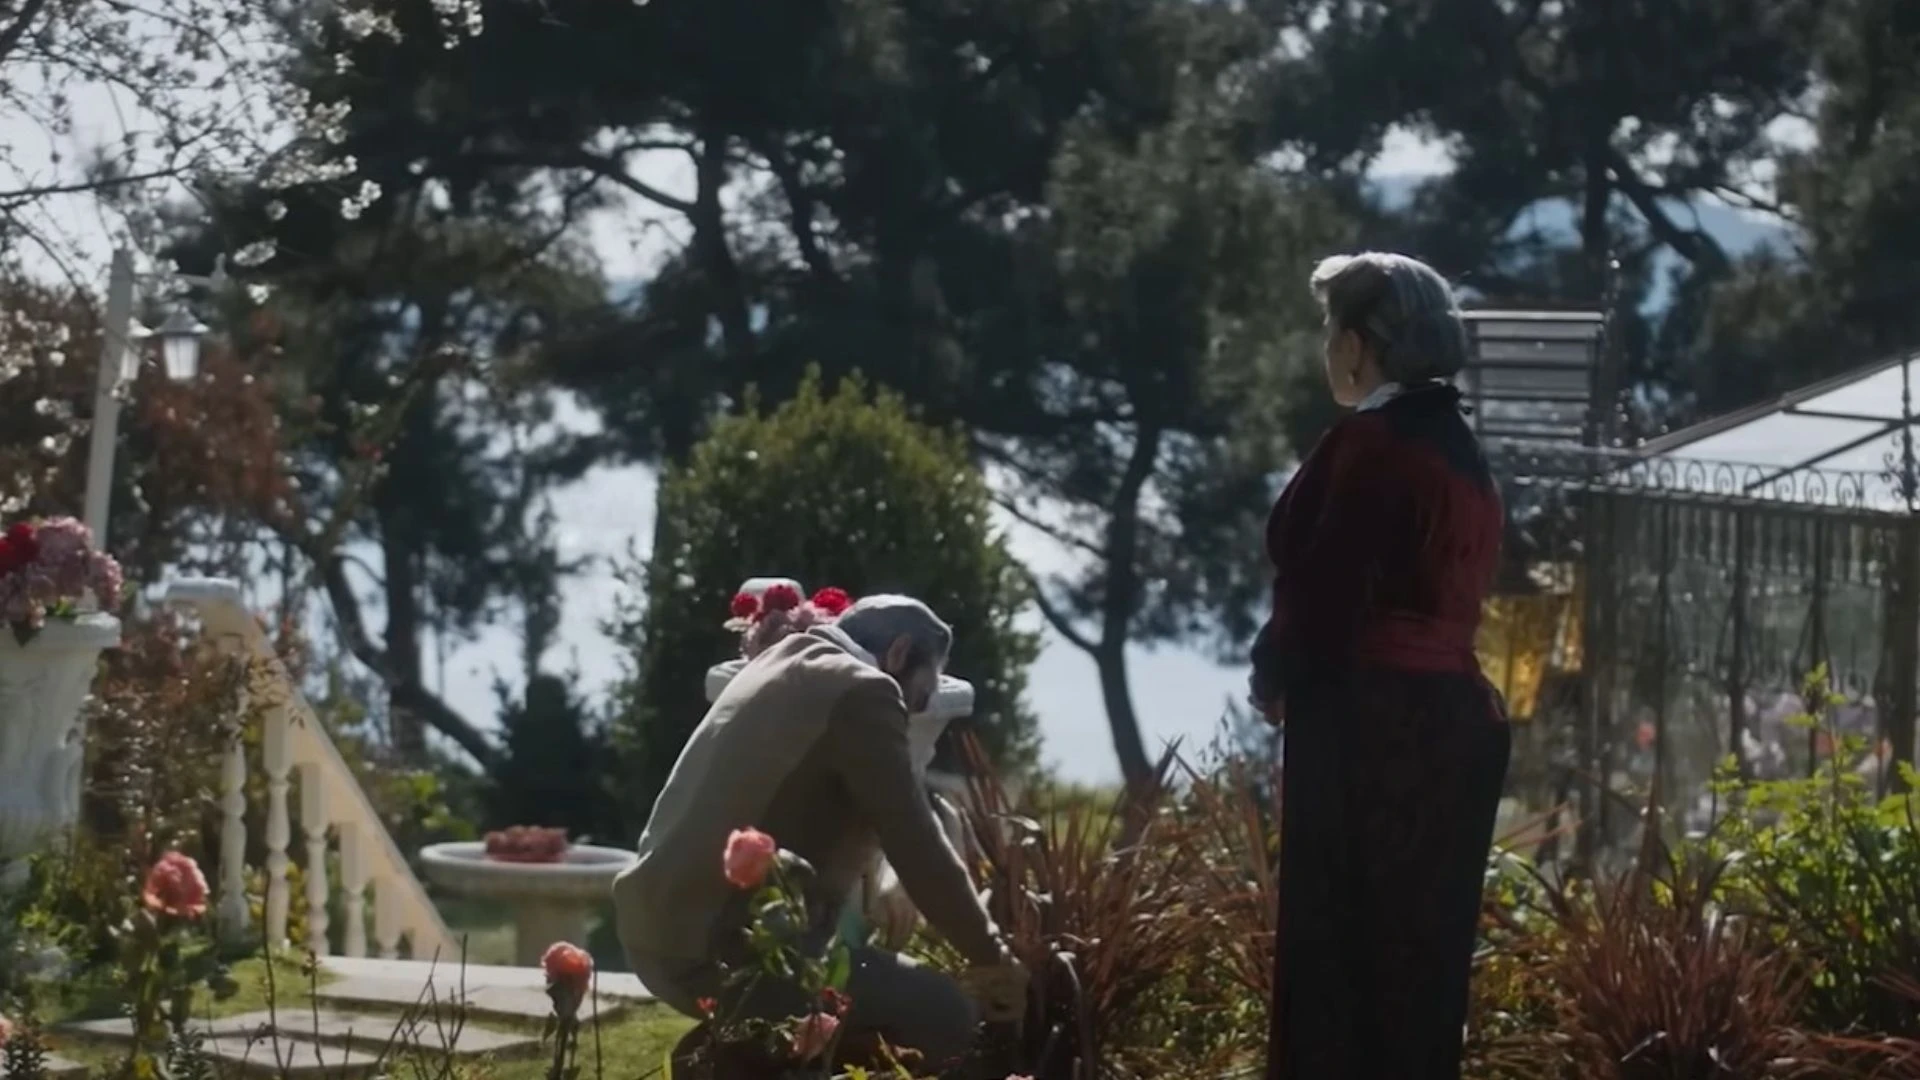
[(1542, 329), (1775, 441), (1882, 455), (1571, 414), (1876, 395), (1559, 353), (1564, 381)]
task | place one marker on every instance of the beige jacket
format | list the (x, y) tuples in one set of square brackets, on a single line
[(808, 744)]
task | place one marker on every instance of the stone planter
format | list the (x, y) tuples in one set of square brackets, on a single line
[(42, 743)]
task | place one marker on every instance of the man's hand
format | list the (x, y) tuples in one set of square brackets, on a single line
[(999, 989), (893, 916)]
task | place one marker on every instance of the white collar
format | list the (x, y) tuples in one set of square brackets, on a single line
[(839, 637), (1382, 394)]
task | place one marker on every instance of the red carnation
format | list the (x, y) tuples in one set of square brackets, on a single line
[(20, 547), (832, 600), (745, 605), (781, 598)]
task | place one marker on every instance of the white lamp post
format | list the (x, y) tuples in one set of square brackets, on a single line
[(180, 337)]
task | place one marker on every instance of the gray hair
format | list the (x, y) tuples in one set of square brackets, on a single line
[(1401, 306), (876, 622)]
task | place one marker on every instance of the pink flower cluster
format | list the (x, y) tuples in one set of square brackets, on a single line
[(46, 568), (763, 621)]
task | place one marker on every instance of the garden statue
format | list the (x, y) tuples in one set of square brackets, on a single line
[(50, 575)]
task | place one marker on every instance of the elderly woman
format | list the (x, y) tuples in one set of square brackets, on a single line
[(1383, 546)]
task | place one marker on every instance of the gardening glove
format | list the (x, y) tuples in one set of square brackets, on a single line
[(999, 989)]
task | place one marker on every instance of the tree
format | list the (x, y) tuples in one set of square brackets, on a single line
[(835, 488), (1172, 279), (402, 340), (123, 105), (911, 191), (1850, 292), (557, 760), (1607, 105), (200, 467)]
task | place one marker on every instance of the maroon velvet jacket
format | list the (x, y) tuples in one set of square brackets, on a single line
[(1383, 545)]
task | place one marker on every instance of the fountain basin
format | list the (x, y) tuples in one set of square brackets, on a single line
[(551, 901)]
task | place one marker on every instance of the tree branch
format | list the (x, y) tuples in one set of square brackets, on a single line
[(1058, 619), (20, 195), (601, 165), (406, 694), (1052, 532), (17, 29), (800, 210), (1694, 245)]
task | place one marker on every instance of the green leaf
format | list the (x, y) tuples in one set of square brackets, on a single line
[(839, 965)]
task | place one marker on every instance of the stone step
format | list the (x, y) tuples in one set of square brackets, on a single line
[(59, 1068), (610, 984), (258, 1053), (374, 1033), (313, 1041), (505, 1002)]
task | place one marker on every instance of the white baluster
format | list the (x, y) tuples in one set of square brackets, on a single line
[(233, 825), (276, 756), (353, 883), (313, 826), (386, 914)]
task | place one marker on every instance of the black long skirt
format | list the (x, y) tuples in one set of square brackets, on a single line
[(1392, 783)]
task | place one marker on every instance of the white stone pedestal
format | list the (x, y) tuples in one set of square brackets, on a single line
[(42, 740), (551, 902)]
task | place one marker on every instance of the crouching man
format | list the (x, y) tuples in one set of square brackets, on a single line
[(809, 744)]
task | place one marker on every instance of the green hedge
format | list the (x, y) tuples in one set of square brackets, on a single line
[(834, 487)]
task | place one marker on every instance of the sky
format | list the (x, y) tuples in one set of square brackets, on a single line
[(1179, 694)]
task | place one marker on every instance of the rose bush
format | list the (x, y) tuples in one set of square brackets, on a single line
[(569, 972)]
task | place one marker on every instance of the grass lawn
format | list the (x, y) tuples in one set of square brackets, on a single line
[(631, 1047)]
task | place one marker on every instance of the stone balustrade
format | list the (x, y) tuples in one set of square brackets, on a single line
[(332, 807)]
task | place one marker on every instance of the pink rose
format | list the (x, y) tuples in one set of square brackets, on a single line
[(814, 1035), (750, 854), (6, 1030), (175, 887)]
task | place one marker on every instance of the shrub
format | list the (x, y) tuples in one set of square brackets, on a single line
[(554, 768), (840, 488), (1097, 901), (1834, 871)]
